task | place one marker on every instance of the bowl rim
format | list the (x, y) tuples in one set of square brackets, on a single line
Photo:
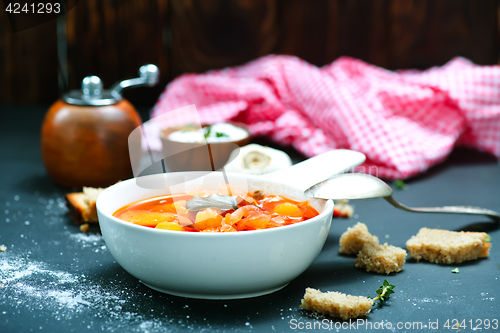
[(328, 206)]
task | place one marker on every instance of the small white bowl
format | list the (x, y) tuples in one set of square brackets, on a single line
[(215, 265), (197, 156)]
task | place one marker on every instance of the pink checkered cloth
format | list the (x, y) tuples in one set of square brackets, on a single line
[(404, 122)]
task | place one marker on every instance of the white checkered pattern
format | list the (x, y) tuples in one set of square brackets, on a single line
[(403, 121)]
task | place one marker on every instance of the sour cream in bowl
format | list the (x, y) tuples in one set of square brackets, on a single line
[(198, 149)]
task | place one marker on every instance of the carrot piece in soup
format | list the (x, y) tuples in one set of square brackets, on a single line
[(308, 211), (256, 222), (178, 207), (164, 208), (148, 219)]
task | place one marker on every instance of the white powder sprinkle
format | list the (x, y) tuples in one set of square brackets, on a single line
[(87, 240), (68, 299), (36, 286), (55, 292)]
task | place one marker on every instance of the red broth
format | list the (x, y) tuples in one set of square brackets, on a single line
[(256, 211)]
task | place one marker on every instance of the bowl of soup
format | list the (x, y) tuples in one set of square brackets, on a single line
[(202, 262)]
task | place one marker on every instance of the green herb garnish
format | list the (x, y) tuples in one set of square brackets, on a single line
[(400, 184), (455, 270), (188, 128), (207, 133), (487, 239), (221, 135), (384, 291)]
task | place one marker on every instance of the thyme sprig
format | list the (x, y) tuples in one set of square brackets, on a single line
[(400, 184), (384, 291), (207, 133)]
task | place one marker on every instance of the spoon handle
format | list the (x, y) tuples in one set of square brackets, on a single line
[(309, 172), (446, 209)]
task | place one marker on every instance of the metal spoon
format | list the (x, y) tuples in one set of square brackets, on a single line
[(363, 186)]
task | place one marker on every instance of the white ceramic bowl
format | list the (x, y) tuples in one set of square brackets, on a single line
[(217, 265)]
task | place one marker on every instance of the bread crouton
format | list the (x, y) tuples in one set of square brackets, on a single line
[(447, 247), (383, 259), (353, 240), (343, 209), (336, 304), (82, 205)]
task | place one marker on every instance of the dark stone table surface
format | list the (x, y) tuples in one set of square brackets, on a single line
[(54, 278)]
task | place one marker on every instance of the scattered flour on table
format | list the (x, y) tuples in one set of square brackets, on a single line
[(34, 286), (66, 295), (87, 240), (40, 288), (51, 211), (486, 297)]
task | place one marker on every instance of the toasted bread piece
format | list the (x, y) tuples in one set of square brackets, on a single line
[(447, 247), (336, 304), (383, 259), (353, 240), (82, 205), (343, 209), (77, 207)]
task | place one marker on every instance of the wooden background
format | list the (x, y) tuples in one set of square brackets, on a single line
[(113, 38)]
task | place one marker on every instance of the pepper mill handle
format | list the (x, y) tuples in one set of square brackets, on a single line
[(149, 75)]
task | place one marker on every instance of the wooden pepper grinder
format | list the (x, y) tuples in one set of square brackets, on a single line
[(84, 139)]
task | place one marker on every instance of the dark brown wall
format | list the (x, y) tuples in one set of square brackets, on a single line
[(28, 66), (112, 38)]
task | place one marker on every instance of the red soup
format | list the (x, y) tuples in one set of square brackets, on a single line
[(256, 211)]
